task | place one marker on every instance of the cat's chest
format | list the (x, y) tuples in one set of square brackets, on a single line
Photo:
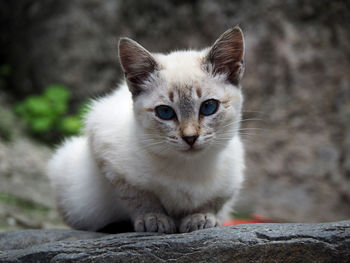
[(182, 186), (178, 194)]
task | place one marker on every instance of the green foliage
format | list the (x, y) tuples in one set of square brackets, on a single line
[(47, 114), (70, 124)]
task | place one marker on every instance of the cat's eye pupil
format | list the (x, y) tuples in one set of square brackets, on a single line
[(165, 112), (209, 107)]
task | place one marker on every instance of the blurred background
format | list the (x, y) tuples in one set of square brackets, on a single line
[(56, 55)]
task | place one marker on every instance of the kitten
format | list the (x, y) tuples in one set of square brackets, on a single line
[(163, 150)]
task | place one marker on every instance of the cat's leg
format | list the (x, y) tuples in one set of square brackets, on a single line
[(207, 216), (154, 222), (198, 221), (144, 208)]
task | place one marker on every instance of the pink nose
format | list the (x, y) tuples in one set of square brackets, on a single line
[(190, 140)]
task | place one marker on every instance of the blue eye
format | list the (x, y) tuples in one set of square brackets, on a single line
[(209, 107), (165, 112)]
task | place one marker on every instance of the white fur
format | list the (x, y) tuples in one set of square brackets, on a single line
[(117, 131), (87, 201)]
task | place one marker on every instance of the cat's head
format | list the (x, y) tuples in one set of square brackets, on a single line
[(186, 102)]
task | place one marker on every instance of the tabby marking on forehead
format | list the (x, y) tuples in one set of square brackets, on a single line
[(199, 92), (171, 96), (186, 104)]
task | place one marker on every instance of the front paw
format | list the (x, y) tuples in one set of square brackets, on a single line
[(154, 222), (198, 221)]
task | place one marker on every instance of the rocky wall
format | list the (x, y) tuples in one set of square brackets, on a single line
[(296, 85)]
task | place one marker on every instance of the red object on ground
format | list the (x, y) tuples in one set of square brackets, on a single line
[(253, 219)]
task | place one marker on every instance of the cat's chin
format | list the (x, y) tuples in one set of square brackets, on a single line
[(193, 150), (180, 153)]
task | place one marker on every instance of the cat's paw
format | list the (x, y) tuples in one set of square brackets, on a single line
[(198, 221), (154, 222)]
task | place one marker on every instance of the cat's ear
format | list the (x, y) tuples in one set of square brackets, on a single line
[(226, 55), (137, 64)]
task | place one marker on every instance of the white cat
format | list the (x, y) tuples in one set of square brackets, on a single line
[(163, 150)]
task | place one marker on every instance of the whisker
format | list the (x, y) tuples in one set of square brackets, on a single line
[(252, 119), (255, 111), (164, 148), (147, 139), (242, 121), (252, 129), (255, 136), (147, 145)]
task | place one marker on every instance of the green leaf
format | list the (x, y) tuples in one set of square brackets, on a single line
[(45, 112), (57, 93), (71, 125), (41, 125), (59, 108), (37, 106)]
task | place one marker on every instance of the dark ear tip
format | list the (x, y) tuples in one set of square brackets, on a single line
[(121, 43), (237, 31), (227, 55), (124, 41), (237, 28), (126, 44)]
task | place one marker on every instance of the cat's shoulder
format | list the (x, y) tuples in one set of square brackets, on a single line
[(114, 104), (120, 95), (110, 113)]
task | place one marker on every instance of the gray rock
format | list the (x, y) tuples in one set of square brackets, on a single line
[(327, 242), (22, 239), (26, 198)]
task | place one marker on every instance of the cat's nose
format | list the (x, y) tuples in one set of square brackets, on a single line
[(190, 140)]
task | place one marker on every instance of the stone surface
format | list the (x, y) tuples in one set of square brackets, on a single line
[(26, 198), (297, 81), (328, 242)]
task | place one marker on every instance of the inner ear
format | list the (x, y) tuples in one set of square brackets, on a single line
[(137, 64), (226, 55)]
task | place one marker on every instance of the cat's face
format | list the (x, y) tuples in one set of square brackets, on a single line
[(188, 113), (184, 104)]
